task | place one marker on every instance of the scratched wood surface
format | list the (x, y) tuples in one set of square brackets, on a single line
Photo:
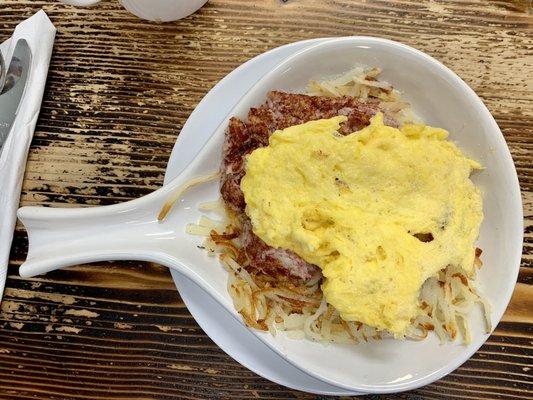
[(119, 90)]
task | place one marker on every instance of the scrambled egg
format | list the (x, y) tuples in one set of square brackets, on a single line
[(379, 211)]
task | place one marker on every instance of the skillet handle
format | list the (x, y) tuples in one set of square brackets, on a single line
[(61, 237)]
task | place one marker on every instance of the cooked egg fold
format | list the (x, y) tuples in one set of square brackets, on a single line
[(379, 211)]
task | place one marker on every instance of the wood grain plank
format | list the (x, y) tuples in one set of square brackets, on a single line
[(118, 92)]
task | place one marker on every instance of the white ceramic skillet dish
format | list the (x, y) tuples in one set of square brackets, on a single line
[(60, 238)]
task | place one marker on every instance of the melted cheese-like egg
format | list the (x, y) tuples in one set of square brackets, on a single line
[(379, 211)]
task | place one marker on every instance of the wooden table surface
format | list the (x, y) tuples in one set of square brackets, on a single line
[(119, 90)]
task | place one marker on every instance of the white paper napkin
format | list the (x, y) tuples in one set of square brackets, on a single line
[(39, 33)]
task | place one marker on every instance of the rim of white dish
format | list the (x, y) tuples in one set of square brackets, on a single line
[(515, 197)]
